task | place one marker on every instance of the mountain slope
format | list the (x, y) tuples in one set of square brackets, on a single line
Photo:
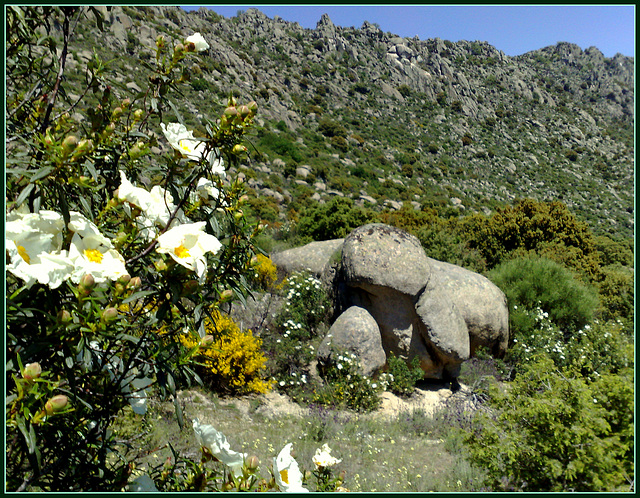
[(381, 119)]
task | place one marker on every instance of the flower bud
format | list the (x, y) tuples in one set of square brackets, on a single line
[(110, 315), (56, 404), (244, 111), (190, 46), (69, 144), (206, 340), (244, 198), (109, 129), (87, 283), (134, 283), (253, 107), (138, 114), (226, 295), (238, 215), (84, 145), (231, 112), (178, 50), (160, 265), (160, 41), (252, 463), (239, 149), (136, 151), (232, 101), (31, 371), (64, 317), (124, 279), (116, 113), (126, 103)]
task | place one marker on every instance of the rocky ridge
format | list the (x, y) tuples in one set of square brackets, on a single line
[(476, 127)]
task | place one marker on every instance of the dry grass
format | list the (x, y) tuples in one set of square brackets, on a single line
[(408, 452)]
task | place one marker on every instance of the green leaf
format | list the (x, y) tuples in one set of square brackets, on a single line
[(24, 194), (41, 173)]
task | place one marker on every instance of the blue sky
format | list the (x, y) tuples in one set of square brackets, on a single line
[(513, 29)]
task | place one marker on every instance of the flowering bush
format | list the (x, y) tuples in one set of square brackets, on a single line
[(401, 378), (111, 251), (227, 358), (265, 271), (290, 345), (346, 387)]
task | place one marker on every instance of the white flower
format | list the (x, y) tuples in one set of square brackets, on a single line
[(287, 473), (187, 244), (323, 457), (198, 40), (34, 242), (184, 142), (91, 252), (156, 205), (219, 447), (206, 191)]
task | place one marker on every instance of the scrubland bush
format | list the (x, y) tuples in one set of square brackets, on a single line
[(550, 431), (228, 360), (333, 220), (538, 282)]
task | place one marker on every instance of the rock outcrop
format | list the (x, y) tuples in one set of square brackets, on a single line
[(391, 298)]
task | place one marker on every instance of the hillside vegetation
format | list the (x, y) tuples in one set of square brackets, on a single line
[(155, 158)]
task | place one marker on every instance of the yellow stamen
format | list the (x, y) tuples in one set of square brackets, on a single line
[(183, 146), (181, 251), (284, 475), (93, 255), (23, 254)]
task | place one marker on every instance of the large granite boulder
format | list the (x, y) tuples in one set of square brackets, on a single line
[(311, 257), (422, 307), (384, 256), (386, 271), (357, 332), (481, 303)]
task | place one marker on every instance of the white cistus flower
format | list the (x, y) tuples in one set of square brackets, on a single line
[(323, 457), (33, 242), (93, 253), (287, 473), (187, 244), (156, 206), (217, 444), (190, 147), (198, 40)]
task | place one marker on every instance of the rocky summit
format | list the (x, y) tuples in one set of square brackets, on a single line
[(390, 121)]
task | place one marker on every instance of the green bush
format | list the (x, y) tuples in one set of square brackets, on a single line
[(400, 378), (530, 226), (346, 387), (532, 282), (333, 220), (551, 431)]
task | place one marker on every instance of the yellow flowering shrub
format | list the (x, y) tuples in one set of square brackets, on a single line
[(265, 271), (233, 361)]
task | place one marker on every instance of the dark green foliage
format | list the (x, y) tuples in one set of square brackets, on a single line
[(281, 144), (333, 220), (528, 225), (550, 432), (331, 128), (532, 282), (403, 376)]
